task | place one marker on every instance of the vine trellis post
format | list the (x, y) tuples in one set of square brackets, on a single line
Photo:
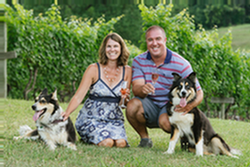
[(222, 101), (4, 55)]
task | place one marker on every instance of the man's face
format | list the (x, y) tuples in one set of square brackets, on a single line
[(156, 43)]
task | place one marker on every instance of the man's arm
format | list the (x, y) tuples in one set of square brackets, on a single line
[(141, 89)]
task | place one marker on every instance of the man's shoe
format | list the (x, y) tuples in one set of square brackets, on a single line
[(146, 142)]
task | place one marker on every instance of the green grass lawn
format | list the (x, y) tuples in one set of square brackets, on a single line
[(24, 153), (241, 35)]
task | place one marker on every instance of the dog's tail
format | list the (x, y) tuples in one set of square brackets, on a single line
[(235, 151), (232, 150), (221, 147), (223, 142)]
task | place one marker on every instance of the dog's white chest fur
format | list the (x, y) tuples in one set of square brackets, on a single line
[(55, 133), (183, 122)]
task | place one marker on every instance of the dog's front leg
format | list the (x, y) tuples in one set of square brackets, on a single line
[(175, 134), (51, 145), (48, 139), (27, 133), (199, 147)]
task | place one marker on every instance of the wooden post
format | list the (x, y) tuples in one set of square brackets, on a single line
[(3, 54), (222, 101)]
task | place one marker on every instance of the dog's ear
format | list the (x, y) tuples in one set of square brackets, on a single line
[(176, 76), (54, 95), (44, 92), (192, 77)]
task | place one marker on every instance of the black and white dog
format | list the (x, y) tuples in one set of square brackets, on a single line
[(194, 127), (50, 125)]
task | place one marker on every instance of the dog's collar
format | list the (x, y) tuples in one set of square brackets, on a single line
[(57, 121)]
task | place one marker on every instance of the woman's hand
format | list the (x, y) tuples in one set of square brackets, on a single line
[(65, 116), (127, 95)]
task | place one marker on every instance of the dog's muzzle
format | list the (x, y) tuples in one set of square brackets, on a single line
[(33, 107)]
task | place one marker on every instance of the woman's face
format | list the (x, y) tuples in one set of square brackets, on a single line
[(113, 49)]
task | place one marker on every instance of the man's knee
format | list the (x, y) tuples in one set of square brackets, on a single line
[(133, 106), (135, 111), (164, 123)]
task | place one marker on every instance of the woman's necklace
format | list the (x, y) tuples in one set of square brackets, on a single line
[(116, 74)]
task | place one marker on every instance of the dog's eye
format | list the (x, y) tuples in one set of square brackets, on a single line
[(36, 100), (188, 87), (179, 87), (42, 101)]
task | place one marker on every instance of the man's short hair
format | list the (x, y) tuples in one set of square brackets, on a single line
[(155, 27)]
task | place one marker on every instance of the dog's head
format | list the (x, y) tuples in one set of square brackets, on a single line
[(45, 105), (183, 90)]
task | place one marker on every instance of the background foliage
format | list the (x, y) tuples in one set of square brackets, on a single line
[(207, 12), (54, 53)]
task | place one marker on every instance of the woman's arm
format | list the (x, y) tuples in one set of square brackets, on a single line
[(90, 76)]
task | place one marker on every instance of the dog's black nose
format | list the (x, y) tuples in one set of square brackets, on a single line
[(183, 94), (33, 107)]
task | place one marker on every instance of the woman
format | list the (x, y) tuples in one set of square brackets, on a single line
[(101, 121)]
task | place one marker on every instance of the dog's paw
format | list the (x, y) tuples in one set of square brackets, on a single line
[(16, 137), (72, 146), (169, 152), (52, 148), (199, 155)]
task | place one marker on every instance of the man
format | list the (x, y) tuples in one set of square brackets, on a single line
[(148, 108)]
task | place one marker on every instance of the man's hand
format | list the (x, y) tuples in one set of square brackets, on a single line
[(148, 88), (185, 109)]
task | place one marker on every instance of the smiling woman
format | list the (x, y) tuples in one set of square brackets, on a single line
[(101, 121)]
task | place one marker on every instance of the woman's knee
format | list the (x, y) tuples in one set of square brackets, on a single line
[(120, 143), (107, 143)]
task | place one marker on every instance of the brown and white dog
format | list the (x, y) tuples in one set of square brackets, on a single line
[(193, 127), (50, 125)]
